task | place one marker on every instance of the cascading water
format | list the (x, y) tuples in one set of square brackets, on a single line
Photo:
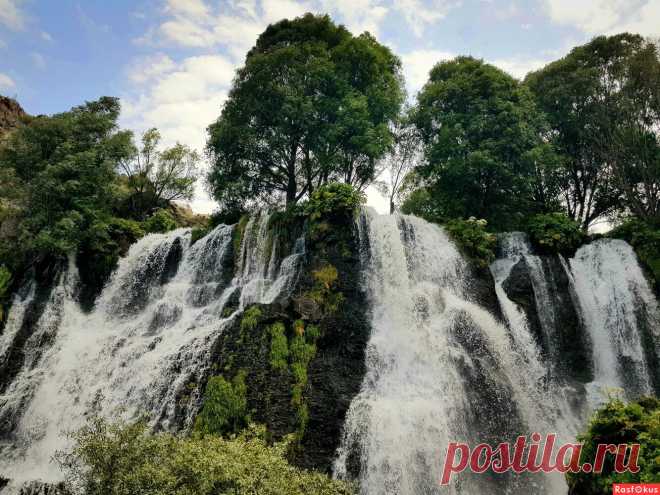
[(618, 308), (143, 348), (440, 368)]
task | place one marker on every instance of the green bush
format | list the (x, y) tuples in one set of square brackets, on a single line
[(473, 240), (198, 233), (279, 347), (250, 318), (619, 423), (123, 459), (555, 233), (225, 406), (161, 221), (333, 199), (645, 239)]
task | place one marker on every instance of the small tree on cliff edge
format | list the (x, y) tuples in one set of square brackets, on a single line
[(312, 103)]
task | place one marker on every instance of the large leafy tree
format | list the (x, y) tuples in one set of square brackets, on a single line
[(58, 173), (312, 104), (484, 148), (602, 101)]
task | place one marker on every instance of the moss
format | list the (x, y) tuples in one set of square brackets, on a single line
[(279, 347), (250, 318)]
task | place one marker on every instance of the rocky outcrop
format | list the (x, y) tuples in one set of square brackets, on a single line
[(335, 373), (11, 115)]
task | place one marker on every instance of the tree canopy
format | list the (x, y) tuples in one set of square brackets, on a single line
[(312, 104), (482, 137), (603, 103)]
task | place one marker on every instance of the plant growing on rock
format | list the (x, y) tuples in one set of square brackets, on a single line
[(225, 406), (473, 239), (644, 237), (161, 221), (5, 282), (555, 233), (250, 318)]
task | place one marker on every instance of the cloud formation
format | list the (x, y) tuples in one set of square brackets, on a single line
[(6, 82), (11, 15)]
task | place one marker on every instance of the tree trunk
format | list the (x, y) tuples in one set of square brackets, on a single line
[(291, 190)]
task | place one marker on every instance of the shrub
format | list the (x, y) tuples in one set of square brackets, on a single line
[(279, 348), (619, 423), (555, 233), (161, 221), (323, 293), (645, 239), (473, 240), (333, 199), (198, 233), (123, 459), (225, 406), (250, 318)]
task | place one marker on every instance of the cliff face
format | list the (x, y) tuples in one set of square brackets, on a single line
[(11, 115)]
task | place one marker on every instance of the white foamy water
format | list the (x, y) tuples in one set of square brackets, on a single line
[(143, 347)]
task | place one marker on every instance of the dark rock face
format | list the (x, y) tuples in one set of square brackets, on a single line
[(553, 318), (334, 374)]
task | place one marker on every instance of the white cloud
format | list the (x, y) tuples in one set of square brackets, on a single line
[(607, 16), (6, 82), (146, 68), (11, 15), (2, 45), (417, 65), (38, 60), (46, 36), (419, 13)]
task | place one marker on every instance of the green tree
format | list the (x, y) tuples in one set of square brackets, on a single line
[(602, 101), (225, 406), (312, 104), (65, 166), (614, 424), (157, 177), (484, 153)]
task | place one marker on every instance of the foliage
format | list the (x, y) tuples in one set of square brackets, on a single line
[(323, 292), (302, 350), (123, 459), (312, 104), (157, 177), (250, 318), (644, 237), (63, 166), (198, 233), (334, 199), (400, 161), (603, 104), (225, 406), (5, 283), (160, 221), (555, 233), (473, 239), (618, 423), (420, 203), (279, 347), (482, 137)]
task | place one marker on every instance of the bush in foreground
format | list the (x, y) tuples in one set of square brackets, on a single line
[(123, 459), (618, 423)]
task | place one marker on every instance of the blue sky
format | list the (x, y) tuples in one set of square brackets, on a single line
[(171, 61)]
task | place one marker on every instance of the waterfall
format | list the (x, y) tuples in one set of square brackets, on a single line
[(440, 368), (143, 349), (618, 306)]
